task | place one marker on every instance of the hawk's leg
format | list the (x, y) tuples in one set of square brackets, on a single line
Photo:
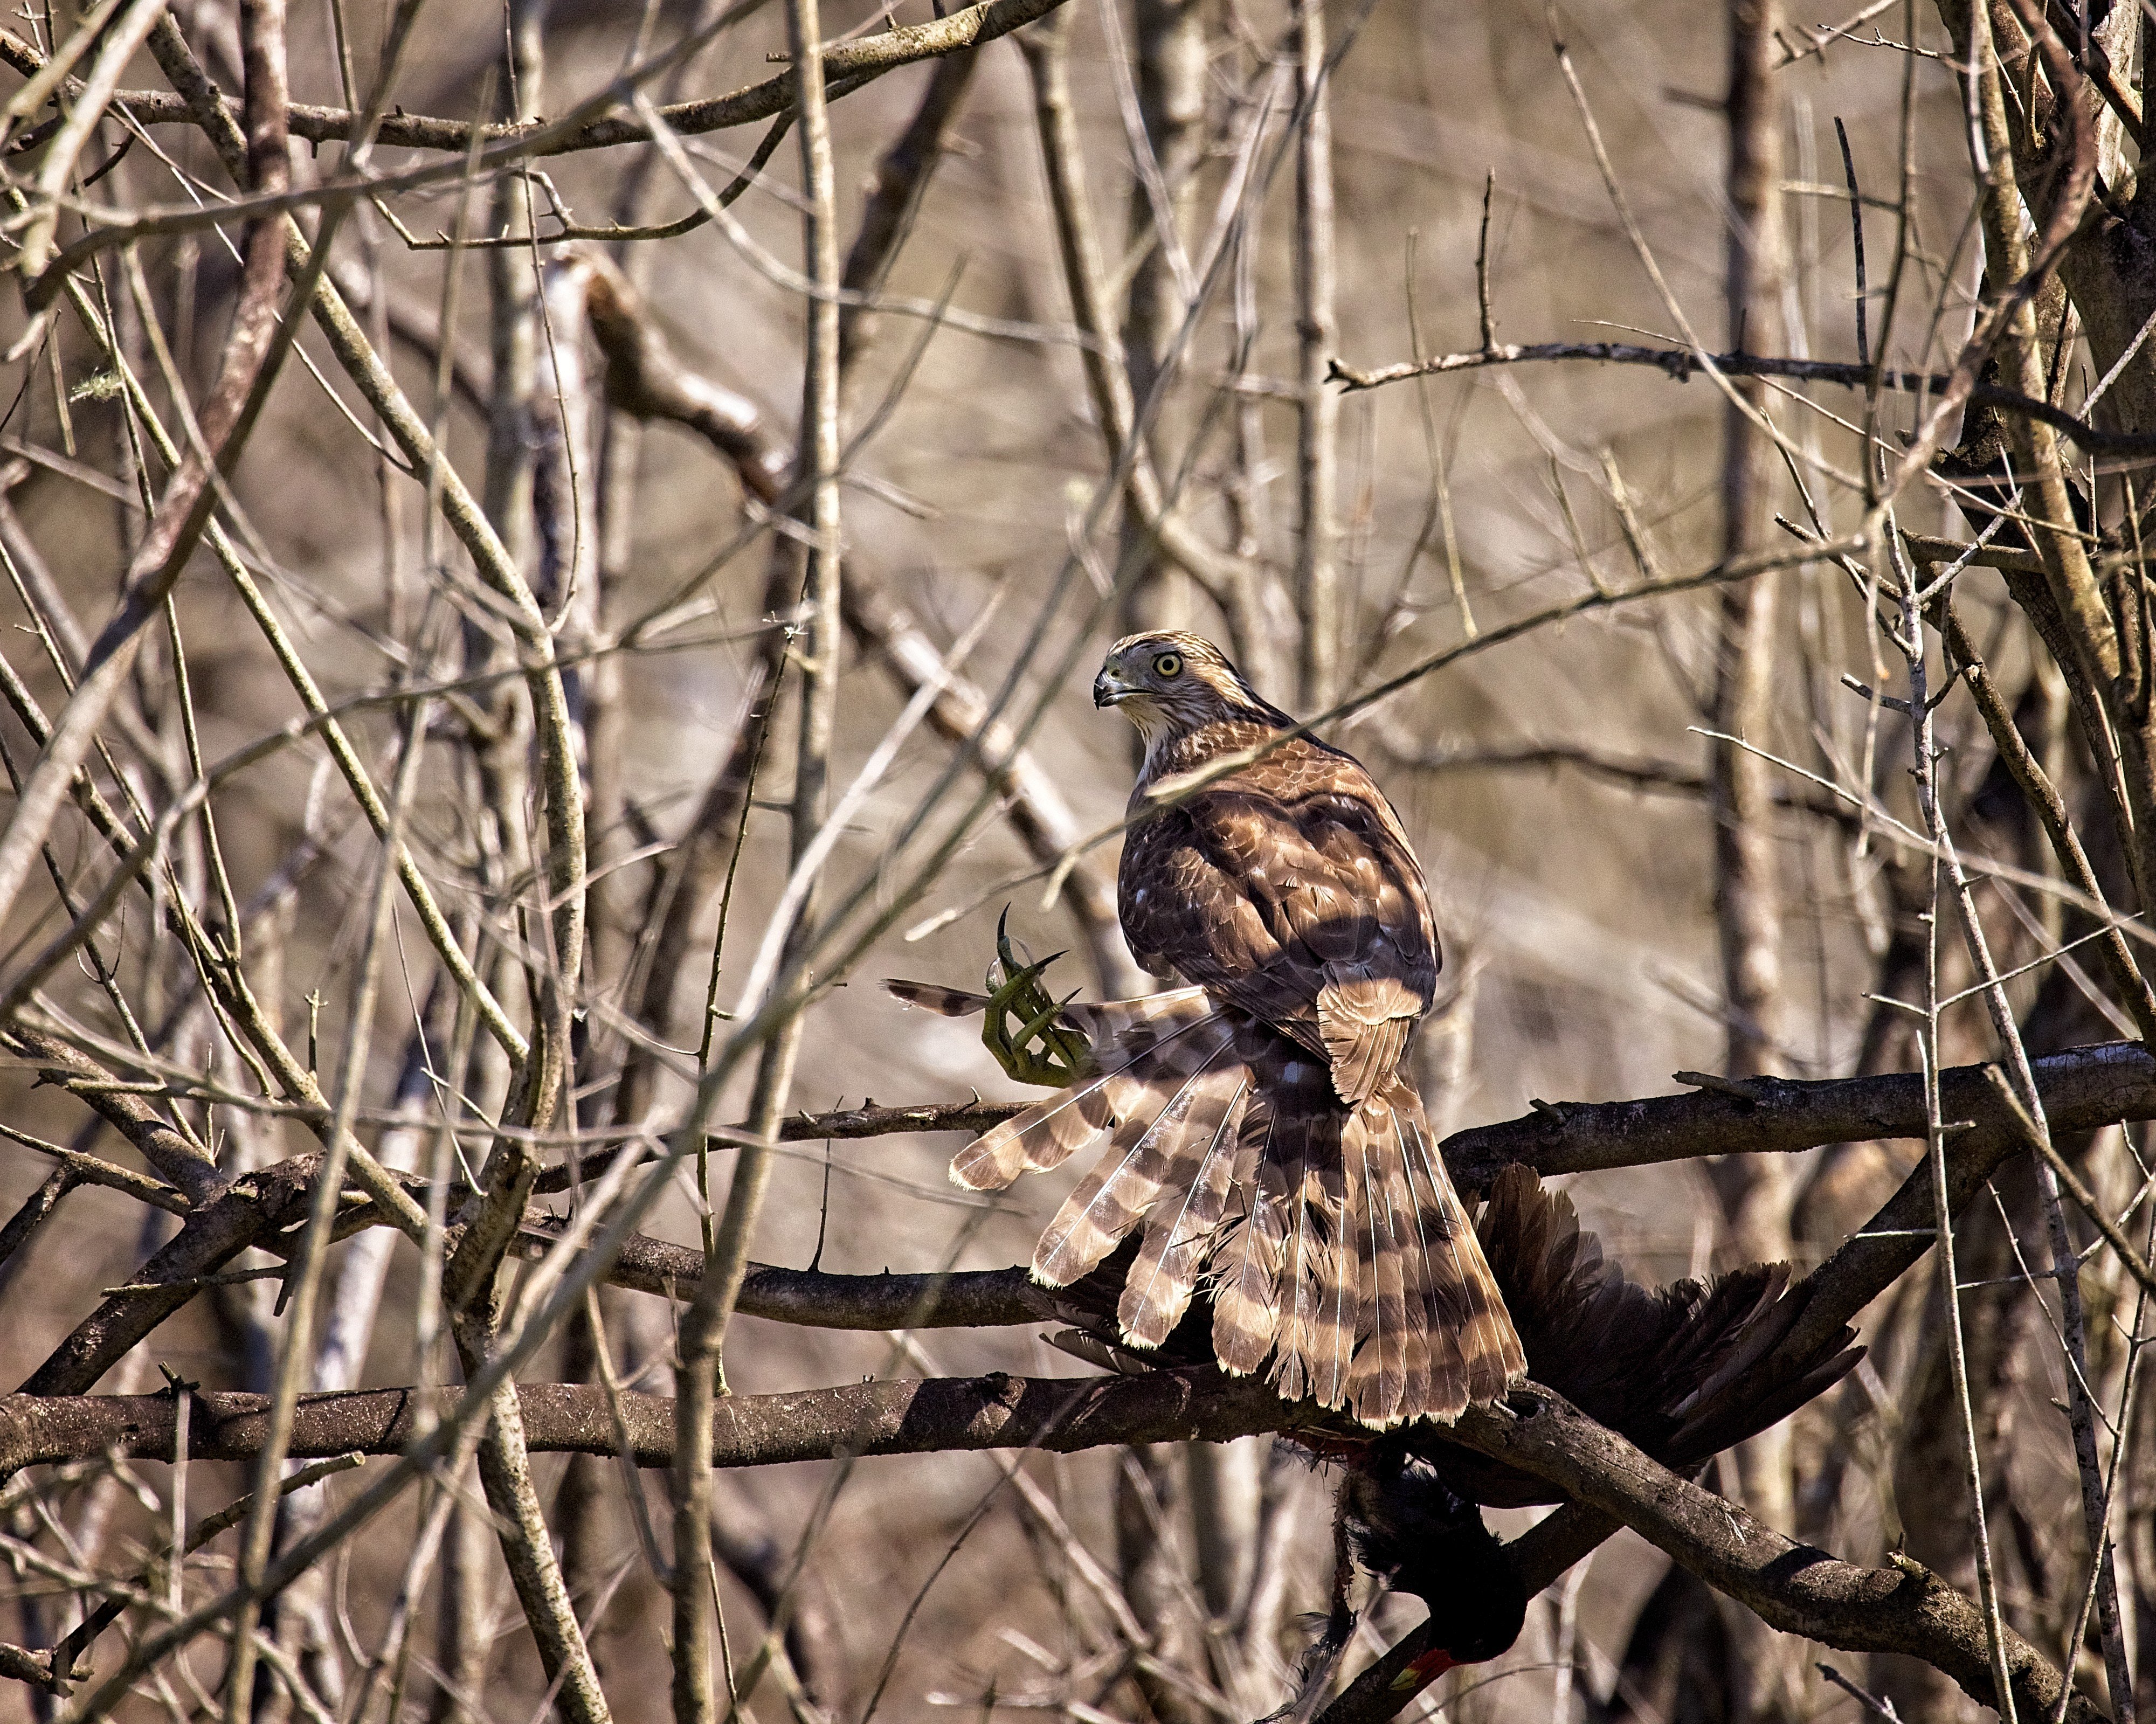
[(1021, 1027)]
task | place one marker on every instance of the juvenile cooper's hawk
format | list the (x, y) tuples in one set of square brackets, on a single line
[(1262, 1128)]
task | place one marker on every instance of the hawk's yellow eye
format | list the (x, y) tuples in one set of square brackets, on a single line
[(1168, 664)]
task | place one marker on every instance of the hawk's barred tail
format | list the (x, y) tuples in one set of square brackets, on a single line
[(1383, 1226), (1385, 1304), (1246, 1252), (1474, 1348), (1337, 1255)]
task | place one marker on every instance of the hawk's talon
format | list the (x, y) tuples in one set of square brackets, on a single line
[(1037, 1024), (1062, 1055)]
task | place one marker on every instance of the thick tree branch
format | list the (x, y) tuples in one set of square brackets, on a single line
[(966, 1299), (212, 1235), (2082, 1089), (904, 1417), (1865, 1263), (1797, 1588)]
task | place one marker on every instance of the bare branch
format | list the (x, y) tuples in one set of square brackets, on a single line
[(1904, 1608), (2083, 1089), (852, 64), (1682, 363), (1800, 1590), (1059, 1414)]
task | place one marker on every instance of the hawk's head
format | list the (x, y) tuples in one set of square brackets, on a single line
[(1168, 683)]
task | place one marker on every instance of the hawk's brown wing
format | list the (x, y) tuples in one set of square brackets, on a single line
[(1289, 890)]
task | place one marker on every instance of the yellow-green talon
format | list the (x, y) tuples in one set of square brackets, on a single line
[(1015, 993), (1039, 1023)]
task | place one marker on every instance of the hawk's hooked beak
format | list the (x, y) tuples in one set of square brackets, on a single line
[(1107, 689)]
